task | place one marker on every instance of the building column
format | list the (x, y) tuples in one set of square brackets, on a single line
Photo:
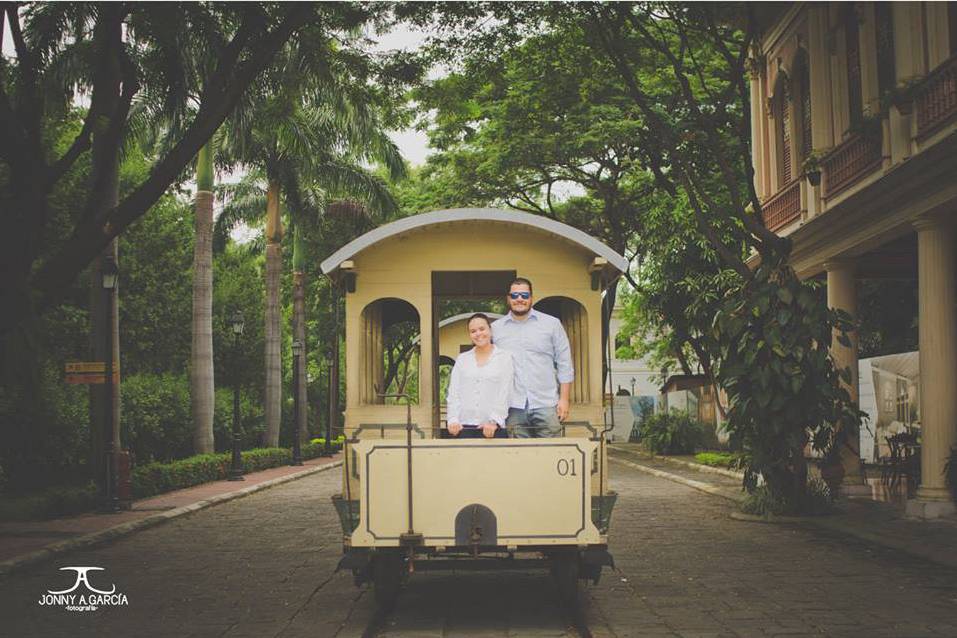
[(842, 294), (938, 364)]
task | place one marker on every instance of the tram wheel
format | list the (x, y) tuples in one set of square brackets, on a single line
[(387, 578), (565, 570)]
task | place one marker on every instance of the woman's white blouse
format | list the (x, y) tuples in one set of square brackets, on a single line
[(478, 394)]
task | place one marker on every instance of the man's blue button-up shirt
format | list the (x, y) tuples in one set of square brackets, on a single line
[(541, 354)]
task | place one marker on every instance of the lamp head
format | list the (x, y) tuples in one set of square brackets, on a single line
[(236, 322), (109, 272)]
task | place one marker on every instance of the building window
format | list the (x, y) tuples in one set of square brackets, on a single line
[(884, 24), (952, 26), (903, 402), (782, 120), (852, 44), (804, 89)]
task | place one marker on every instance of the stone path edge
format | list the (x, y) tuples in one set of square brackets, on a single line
[(821, 523), (698, 485), (701, 467), (55, 549)]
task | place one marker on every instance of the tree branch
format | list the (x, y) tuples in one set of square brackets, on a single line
[(92, 237)]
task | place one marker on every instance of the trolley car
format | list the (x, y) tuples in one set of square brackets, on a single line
[(413, 500)]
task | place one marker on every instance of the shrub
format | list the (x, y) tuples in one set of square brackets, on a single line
[(149, 479), (156, 478), (817, 501), (156, 417), (49, 503), (672, 433)]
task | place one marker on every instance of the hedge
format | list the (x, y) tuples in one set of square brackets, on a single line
[(150, 479), (157, 478)]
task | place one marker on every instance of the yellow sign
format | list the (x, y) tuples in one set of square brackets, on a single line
[(89, 372)]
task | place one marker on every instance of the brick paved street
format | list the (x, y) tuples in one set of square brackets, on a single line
[(262, 566)]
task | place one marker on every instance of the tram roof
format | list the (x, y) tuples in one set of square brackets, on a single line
[(406, 224)]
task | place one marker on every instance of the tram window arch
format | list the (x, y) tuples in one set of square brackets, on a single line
[(574, 319), (390, 352)]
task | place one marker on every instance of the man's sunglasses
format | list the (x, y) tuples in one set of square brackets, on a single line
[(520, 295)]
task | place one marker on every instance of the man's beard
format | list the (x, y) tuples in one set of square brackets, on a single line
[(519, 313)]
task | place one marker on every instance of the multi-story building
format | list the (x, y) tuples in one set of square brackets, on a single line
[(854, 124)]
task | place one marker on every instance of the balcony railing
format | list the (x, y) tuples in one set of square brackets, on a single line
[(936, 99), (849, 162), (784, 207)]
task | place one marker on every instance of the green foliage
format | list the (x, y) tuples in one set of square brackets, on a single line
[(157, 478), (716, 459), (157, 425), (781, 382), (816, 500), (671, 433), (49, 503)]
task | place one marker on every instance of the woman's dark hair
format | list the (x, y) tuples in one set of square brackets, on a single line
[(478, 315)]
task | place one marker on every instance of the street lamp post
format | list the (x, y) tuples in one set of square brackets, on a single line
[(296, 449), (109, 274), (236, 322)]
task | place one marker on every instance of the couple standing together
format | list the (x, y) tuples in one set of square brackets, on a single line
[(516, 379)]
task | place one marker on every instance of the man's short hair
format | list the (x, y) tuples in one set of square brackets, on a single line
[(479, 315), (519, 280)]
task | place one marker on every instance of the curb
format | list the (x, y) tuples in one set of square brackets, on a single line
[(117, 531), (697, 485), (701, 467)]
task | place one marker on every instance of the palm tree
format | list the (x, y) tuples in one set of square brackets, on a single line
[(303, 149), (202, 389)]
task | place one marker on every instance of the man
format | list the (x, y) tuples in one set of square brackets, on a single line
[(539, 347)]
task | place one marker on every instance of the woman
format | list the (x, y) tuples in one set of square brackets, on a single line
[(480, 385)]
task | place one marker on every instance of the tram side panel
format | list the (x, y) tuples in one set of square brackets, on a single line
[(519, 492)]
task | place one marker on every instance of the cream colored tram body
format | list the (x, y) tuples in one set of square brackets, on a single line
[(413, 499)]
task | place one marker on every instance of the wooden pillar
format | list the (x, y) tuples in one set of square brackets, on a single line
[(938, 364)]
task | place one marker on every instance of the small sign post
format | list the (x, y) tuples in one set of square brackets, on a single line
[(89, 372)]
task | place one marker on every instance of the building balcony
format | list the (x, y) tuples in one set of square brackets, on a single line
[(849, 162), (784, 207), (935, 101)]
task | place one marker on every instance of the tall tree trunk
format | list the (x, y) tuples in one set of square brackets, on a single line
[(202, 387), (273, 407), (105, 194), (299, 330)]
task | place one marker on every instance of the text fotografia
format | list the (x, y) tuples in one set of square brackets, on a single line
[(91, 600), (83, 602)]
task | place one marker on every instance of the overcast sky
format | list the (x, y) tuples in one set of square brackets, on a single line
[(412, 144)]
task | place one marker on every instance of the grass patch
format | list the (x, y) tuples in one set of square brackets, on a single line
[(715, 459)]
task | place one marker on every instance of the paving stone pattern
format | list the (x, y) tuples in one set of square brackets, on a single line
[(262, 566)]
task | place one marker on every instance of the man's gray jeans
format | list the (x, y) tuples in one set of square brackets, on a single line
[(533, 423)]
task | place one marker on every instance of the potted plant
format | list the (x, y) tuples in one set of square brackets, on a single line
[(812, 168), (902, 96), (870, 128)]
